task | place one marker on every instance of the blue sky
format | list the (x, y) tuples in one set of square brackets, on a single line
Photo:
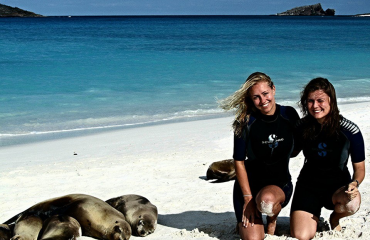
[(181, 7)]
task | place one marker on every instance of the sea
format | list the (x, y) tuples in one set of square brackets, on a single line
[(70, 76)]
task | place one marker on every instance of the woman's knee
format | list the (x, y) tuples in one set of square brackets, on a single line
[(302, 235), (251, 233), (268, 202), (266, 207), (303, 225), (351, 207)]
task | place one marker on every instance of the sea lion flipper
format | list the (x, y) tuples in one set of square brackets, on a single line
[(13, 219)]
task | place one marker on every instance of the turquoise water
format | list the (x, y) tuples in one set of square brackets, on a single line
[(77, 74)]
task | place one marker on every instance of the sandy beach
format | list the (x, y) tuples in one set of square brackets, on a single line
[(165, 163)]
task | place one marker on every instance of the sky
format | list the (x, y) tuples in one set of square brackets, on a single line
[(181, 7)]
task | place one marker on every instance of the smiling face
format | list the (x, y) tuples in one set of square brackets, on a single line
[(263, 97), (318, 104)]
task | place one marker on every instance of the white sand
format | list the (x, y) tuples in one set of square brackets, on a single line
[(166, 164)]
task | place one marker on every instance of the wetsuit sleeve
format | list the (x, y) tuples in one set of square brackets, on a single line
[(239, 148), (293, 117), (357, 149), (298, 133)]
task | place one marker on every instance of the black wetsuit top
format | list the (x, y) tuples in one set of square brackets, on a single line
[(267, 143), (326, 158)]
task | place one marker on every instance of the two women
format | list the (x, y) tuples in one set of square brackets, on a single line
[(263, 135)]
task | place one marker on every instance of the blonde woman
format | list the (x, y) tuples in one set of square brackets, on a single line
[(263, 145)]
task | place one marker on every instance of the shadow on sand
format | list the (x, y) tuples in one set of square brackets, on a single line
[(218, 225)]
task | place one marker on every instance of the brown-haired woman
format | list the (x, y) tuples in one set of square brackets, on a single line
[(263, 133), (327, 140)]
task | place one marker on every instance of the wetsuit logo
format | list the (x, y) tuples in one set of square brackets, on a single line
[(273, 143), (322, 149)]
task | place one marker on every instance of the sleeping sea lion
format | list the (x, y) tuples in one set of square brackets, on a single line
[(61, 227), (97, 218), (5, 232), (222, 170), (139, 212)]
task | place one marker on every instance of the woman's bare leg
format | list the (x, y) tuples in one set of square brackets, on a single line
[(343, 207), (255, 232), (303, 225), (269, 200)]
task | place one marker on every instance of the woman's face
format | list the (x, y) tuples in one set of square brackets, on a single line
[(318, 104), (263, 97)]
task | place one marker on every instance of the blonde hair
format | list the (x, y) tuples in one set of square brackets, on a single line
[(240, 101)]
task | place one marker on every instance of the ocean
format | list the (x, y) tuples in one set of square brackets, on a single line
[(68, 76)]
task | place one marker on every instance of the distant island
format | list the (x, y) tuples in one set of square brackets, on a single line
[(7, 11), (309, 10)]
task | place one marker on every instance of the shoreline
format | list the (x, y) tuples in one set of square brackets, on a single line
[(7, 140), (167, 164)]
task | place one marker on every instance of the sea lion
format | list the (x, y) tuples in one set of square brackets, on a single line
[(27, 227), (139, 212), (222, 170), (61, 227), (97, 218), (5, 232)]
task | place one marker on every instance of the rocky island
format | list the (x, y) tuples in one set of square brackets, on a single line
[(7, 11), (309, 10)]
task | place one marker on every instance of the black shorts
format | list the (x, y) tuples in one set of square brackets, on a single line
[(238, 198), (310, 199)]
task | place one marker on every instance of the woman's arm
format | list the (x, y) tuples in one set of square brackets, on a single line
[(249, 208), (359, 175), (358, 171)]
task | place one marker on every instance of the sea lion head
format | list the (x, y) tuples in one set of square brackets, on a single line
[(145, 225), (121, 231)]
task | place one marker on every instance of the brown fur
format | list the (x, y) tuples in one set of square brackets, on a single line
[(5, 232), (61, 227), (139, 212), (222, 171), (27, 227), (97, 218)]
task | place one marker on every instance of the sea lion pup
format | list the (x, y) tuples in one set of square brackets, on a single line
[(139, 212), (27, 227), (5, 232), (222, 170), (97, 218), (61, 227)]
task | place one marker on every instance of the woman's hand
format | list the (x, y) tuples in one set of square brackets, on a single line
[(352, 190), (250, 212)]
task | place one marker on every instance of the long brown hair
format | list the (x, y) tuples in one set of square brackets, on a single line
[(331, 122), (241, 101)]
